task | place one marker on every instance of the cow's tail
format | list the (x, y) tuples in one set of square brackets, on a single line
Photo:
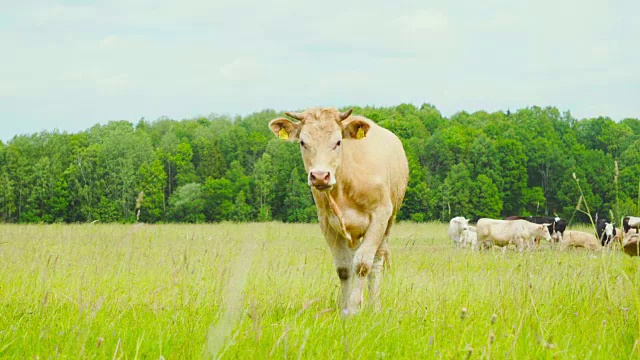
[(387, 260)]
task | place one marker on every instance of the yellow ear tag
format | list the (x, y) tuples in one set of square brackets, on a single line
[(283, 134), (360, 134)]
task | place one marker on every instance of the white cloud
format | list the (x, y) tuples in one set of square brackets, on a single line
[(58, 13), (111, 41), (244, 68), (424, 20), (97, 79)]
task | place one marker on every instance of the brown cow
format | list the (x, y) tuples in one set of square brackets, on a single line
[(573, 238), (358, 174)]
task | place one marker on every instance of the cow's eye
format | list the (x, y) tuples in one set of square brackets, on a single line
[(337, 144), (301, 143)]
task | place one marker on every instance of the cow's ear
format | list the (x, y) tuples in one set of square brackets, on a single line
[(356, 129), (285, 129)]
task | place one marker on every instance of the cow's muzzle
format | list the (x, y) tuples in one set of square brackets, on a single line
[(321, 180)]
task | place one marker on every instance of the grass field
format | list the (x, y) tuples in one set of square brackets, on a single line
[(270, 291)]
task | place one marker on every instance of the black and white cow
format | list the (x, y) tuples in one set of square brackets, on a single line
[(606, 231), (631, 222)]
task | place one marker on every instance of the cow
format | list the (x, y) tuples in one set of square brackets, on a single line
[(456, 226), (631, 244), (504, 232), (630, 222), (605, 230), (469, 237), (557, 226), (358, 174), (618, 237), (573, 238)]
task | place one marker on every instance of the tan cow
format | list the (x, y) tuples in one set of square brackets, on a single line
[(573, 238), (358, 174), (631, 244), (505, 232)]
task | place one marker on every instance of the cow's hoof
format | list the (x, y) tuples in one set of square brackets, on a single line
[(348, 313)]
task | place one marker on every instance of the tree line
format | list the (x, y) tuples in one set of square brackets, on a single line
[(219, 168)]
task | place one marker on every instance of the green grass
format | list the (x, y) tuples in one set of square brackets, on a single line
[(270, 291)]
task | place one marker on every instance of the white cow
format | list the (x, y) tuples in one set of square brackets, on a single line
[(456, 226), (505, 232), (469, 237)]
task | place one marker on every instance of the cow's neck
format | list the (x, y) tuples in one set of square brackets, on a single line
[(327, 201)]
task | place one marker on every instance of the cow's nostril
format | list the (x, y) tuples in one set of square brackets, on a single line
[(312, 177), (326, 178)]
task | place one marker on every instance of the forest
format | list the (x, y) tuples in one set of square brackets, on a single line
[(532, 161)]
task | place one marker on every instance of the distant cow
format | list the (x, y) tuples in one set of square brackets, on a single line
[(631, 244), (358, 173), (618, 237), (504, 232), (556, 226), (572, 238), (469, 237), (456, 226), (605, 230), (631, 222)]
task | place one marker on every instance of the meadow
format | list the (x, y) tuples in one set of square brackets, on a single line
[(269, 290)]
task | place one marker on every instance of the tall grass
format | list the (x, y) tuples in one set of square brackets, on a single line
[(269, 290)]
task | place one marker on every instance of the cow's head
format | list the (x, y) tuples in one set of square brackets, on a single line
[(542, 232), (464, 223), (609, 230), (320, 133)]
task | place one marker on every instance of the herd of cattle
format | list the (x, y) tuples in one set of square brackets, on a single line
[(358, 174), (526, 232)]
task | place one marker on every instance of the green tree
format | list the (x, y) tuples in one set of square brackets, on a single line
[(512, 165), (187, 204), (7, 205), (208, 158), (151, 179), (185, 171), (533, 202), (264, 179), (219, 198), (241, 211), (298, 202), (457, 193), (416, 201), (485, 199)]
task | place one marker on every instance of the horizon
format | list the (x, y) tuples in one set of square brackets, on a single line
[(233, 116)]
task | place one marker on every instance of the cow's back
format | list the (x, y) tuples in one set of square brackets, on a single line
[(375, 165), (501, 232), (580, 239)]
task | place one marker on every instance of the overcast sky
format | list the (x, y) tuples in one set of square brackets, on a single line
[(68, 65)]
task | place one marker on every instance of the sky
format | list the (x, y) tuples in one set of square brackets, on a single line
[(68, 65)]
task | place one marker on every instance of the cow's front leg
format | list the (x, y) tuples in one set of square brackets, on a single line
[(364, 256), (342, 259)]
